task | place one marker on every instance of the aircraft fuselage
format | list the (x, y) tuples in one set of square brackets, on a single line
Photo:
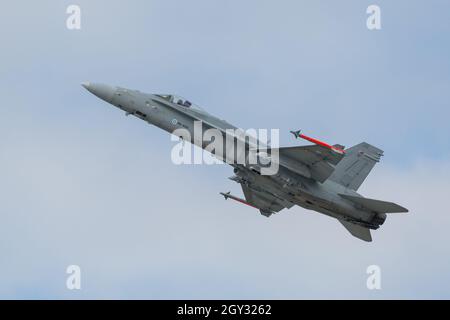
[(286, 184)]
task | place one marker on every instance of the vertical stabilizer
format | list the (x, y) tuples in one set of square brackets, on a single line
[(357, 231), (353, 169)]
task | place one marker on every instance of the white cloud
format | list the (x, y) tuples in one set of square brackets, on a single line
[(141, 227)]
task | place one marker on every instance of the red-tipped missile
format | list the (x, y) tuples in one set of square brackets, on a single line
[(335, 148), (228, 195)]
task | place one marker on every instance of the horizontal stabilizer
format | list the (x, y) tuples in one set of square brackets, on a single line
[(375, 205), (357, 231)]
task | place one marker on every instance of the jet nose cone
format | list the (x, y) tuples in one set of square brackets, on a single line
[(103, 91)]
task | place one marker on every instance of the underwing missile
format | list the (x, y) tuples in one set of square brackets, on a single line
[(229, 195)]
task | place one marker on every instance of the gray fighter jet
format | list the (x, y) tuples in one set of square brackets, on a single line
[(318, 177)]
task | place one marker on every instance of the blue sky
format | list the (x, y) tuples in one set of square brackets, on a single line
[(84, 185)]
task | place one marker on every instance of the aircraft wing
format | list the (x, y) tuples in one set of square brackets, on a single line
[(318, 160), (265, 202)]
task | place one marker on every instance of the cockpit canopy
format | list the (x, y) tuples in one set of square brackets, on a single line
[(179, 101)]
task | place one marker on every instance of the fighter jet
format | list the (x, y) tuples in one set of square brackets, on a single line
[(320, 177)]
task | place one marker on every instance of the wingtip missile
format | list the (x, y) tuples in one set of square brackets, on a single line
[(336, 148), (225, 195), (296, 133)]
